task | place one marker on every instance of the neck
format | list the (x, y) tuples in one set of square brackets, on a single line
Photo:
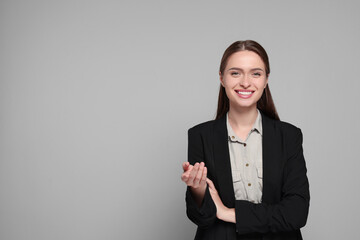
[(242, 117)]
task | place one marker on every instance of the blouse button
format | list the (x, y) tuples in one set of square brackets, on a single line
[(244, 144), (232, 137), (249, 184), (247, 164)]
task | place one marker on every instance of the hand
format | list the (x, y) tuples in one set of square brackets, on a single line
[(194, 176), (222, 212), (216, 198)]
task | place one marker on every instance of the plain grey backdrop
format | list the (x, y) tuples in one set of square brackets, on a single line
[(96, 98)]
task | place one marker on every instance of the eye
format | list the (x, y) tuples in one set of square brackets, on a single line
[(256, 74), (235, 74)]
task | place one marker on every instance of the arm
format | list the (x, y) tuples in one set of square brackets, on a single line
[(195, 178), (287, 215), (222, 212), (200, 207), (292, 211)]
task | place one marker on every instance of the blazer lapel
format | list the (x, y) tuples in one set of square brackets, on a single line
[(223, 181), (271, 155)]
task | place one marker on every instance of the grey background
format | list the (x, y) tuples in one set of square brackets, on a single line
[(96, 98)]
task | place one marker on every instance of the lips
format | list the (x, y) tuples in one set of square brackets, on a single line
[(244, 93)]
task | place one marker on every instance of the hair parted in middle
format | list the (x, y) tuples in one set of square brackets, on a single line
[(265, 103)]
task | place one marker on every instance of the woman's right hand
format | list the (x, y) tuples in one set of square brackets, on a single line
[(195, 177)]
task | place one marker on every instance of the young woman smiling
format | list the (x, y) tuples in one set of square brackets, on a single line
[(246, 173)]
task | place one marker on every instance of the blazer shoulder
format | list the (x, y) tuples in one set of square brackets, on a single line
[(289, 129), (288, 126), (280, 126), (202, 127)]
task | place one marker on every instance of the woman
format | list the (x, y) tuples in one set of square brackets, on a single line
[(246, 173)]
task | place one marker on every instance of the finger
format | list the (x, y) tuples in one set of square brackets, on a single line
[(186, 175), (187, 172), (204, 176), (199, 175), (193, 173), (185, 166), (210, 183), (190, 168)]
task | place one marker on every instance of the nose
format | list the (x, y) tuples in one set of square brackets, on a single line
[(245, 82)]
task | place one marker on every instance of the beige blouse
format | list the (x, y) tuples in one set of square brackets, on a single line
[(246, 162)]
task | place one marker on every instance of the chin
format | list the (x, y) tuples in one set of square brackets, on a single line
[(243, 105)]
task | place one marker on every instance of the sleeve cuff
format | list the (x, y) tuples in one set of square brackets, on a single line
[(203, 215), (246, 220)]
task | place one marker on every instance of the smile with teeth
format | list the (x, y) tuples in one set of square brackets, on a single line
[(244, 94)]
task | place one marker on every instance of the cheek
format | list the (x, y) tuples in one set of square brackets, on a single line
[(261, 84), (261, 92), (225, 84), (229, 83), (228, 92)]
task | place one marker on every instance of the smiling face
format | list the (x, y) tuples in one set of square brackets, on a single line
[(244, 79)]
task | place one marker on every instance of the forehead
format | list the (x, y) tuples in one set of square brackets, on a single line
[(245, 59)]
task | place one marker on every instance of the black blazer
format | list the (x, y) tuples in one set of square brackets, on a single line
[(285, 200)]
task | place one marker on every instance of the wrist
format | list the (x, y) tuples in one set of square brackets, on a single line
[(228, 215), (198, 190), (198, 194)]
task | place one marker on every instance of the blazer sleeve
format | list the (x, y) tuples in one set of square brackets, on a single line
[(205, 215), (291, 212)]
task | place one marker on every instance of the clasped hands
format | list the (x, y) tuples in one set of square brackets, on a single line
[(195, 176)]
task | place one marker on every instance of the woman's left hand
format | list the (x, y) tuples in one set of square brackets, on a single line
[(222, 212)]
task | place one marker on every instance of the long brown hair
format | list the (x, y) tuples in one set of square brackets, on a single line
[(265, 103)]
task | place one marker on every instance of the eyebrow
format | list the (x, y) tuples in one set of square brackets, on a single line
[(253, 69)]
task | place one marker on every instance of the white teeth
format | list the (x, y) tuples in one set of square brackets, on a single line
[(244, 93)]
